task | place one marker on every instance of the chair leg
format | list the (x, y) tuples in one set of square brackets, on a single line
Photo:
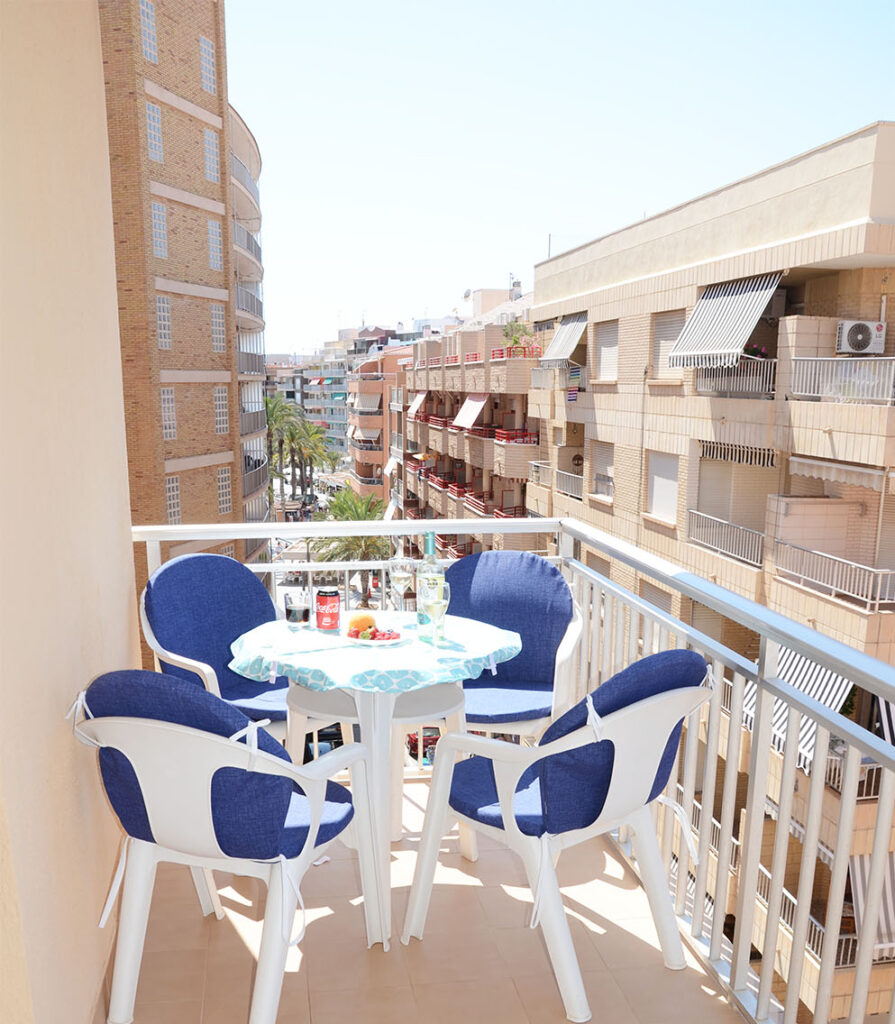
[(557, 937), (430, 841), (371, 889), (207, 891), (135, 901), (397, 793), (655, 882), (296, 730), (272, 955), (469, 847)]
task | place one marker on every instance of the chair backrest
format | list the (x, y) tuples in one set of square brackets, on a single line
[(173, 777), (197, 605), (520, 591), (641, 710)]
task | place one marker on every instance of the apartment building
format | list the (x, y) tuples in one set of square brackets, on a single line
[(185, 198), (469, 439), (716, 387), (324, 397)]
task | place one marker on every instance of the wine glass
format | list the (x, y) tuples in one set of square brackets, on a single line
[(400, 574), (434, 597)]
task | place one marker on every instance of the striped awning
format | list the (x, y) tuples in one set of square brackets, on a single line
[(390, 511), (390, 466), (469, 411), (416, 404), (567, 337), (837, 472), (368, 403), (859, 870), (822, 684), (886, 711), (368, 433), (722, 320)]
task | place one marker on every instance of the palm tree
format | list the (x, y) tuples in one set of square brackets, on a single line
[(279, 413), (346, 506), (311, 448), (292, 437)]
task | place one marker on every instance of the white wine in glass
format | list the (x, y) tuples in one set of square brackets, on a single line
[(435, 596), (400, 574)]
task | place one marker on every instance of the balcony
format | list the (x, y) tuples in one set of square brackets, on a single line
[(252, 418), (759, 906), (480, 503), (248, 302), (852, 380), (725, 538), (250, 362), (254, 475), (571, 484), (247, 246), (243, 175), (838, 577), (542, 377), (752, 377)]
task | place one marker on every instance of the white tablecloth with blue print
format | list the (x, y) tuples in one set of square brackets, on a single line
[(325, 661)]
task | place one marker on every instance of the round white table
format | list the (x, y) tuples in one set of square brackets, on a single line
[(336, 676)]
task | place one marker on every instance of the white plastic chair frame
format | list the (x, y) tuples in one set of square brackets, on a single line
[(639, 733), (175, 765)]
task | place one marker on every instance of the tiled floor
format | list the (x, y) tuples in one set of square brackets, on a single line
[(479, 962)]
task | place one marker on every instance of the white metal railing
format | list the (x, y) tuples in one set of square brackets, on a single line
[(542, 377), (570, 483), (846, 379), (727, 538), (255, 475), (243, 175), (246, 240), (251, 362), (252, 419), (869, 778), (750, 378), (619, 626), (837, 576), (540, 473), (249, 301)]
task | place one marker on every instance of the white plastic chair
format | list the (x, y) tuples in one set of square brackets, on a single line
[(551, 811), (174, 767)]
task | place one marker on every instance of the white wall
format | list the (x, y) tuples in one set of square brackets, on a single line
[(66, 565)]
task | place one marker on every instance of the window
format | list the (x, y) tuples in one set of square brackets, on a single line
[(212, 155), (163, 321), (169, 416), (207, 64), (172, 499), (221, 413), (666, 328), (218, 328), (229, 551), (603, 461), (160, 230), (215, 245), (225, 497), (154, 131), (147, 30), (661, 494), (607, 350)]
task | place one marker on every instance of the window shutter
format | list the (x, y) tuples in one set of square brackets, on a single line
[(662, 486), (607, 350), (666, 328)]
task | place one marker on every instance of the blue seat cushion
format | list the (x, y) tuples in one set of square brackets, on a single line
[(197, 605), (255, 816), (567, 791), (520, 591), (490, 703)]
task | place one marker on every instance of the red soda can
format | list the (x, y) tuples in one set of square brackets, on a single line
[(327, 608)]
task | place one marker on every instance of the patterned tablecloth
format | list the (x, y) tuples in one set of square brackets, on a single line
[(324, 661)]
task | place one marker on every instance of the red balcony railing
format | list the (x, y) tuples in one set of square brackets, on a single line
[(435, 360), (472, 357), (451, 360), (439, 421), (522, 435), (413, 513), (487, 432), (522, 352), (515, 512), (480, 502), (460, 550), (441, 482), (459, 490)]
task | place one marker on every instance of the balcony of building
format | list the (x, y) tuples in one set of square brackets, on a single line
[(247, 249), (396, 401), (249, 308), (570, 484), (751, 377), (252, 418), (513, 451), (366, 453), (250, 352), (246, 194), (255, 472)]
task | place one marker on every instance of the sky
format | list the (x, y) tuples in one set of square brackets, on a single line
[(414, 150)]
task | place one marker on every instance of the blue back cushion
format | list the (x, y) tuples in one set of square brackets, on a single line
[(198, 605), (519, 591), (574, 784), (248, 808)]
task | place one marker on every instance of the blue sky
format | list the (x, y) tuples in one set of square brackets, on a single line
[(413, 150)]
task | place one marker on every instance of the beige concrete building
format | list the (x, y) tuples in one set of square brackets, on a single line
[(185, 197), (716, 387)]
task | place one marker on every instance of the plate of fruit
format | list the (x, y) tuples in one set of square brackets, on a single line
[(362, 629)]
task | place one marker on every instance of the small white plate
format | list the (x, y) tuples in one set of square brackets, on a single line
[(375, 643)]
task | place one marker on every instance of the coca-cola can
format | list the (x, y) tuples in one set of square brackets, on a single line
[(328, 609)]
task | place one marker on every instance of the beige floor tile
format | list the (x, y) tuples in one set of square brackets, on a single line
[(633, 943), (335, 878), (651, 990), (374, 1006), (352, 966), (461, 955), (172, 976), (542, 1002), (524, 950), (177, 925), (472, 1002), (169, 1013), (505, 906)]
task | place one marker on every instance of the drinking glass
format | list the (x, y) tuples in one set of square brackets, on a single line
[(400, 574), (434, 597), (298, 608)]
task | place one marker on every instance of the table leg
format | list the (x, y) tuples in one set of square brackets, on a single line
[(374, 714)]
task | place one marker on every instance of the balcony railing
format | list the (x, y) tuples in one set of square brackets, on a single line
[(251, 362), (868, 780), (480, 502), (249, 301), (521, 435), (540, 473), (364, 479), (750, 378), (726, 538), (542, 377), (473, 357), (836, 576), (860, 380), (620, 626), (252, 418), (243, 175), (569, 483), (254, 474), (246, 240), (484, 432)]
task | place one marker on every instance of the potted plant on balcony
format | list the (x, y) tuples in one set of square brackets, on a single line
[(515, 333)]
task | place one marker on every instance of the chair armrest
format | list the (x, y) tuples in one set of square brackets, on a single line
[(204, 671), (332, 762), (562, 667)]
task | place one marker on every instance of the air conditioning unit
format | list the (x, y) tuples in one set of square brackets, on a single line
[(860, 337)]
